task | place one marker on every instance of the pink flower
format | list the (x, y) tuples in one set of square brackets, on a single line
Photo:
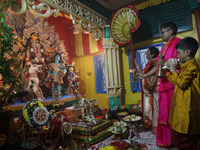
[(9, 57)]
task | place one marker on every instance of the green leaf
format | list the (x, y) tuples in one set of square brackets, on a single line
[(31, 86)]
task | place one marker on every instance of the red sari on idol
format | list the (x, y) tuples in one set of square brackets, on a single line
[(165, 89), (149, 99)]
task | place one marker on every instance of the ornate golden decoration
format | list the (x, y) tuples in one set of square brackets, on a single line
[(20, 7), (85, 27), (124, 21), (78, 10)]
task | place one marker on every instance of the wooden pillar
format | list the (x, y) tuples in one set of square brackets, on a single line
[(112, 71)]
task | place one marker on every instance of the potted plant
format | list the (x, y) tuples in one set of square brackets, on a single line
[(6, 59), (8, 81), (6, 77)]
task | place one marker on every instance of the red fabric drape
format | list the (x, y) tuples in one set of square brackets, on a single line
[(63, 27), (133, 55), (71, 43), (86, 44), (106, 1), (100, 46)]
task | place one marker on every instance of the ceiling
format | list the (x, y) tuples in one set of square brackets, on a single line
[(107, 7), (113, 5)]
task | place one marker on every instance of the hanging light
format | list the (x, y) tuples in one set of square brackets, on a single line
[(76, 30)]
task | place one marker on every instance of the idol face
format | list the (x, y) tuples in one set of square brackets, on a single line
[(35, 36)]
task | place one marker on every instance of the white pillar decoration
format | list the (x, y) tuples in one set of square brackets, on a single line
[(112, 69)]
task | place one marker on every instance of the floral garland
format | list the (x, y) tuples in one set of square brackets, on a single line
[(36, 114), (149, 3)]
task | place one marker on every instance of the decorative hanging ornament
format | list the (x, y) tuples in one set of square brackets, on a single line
[(36, 114), (40, 115), (124, 21), (67, 127)]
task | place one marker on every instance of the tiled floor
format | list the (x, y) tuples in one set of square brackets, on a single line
[(149, 139), (145, 137)]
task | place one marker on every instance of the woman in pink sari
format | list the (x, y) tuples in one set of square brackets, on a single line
[(164, 87)]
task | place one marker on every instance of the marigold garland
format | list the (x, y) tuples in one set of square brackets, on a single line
[(150, 3)]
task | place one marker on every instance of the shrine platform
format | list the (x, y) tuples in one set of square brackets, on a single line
[(91, 135), (66, 100)]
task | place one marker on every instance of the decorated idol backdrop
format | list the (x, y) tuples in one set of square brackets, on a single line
[(41, 59)]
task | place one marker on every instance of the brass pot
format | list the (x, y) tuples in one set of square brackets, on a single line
[(107, 116)]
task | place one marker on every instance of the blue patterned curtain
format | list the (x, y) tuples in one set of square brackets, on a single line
[(100, 78)]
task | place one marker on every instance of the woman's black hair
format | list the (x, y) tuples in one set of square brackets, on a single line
[(170, 25), (154, 51), (188, 43)]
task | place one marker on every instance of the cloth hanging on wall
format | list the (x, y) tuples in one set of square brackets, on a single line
[(76, 44), (83, 44)]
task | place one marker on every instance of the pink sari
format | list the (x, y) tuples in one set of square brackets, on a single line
[(165, 89)]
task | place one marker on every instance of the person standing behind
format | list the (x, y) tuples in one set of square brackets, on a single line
[(164, 87), (149, 94), (185, 108)]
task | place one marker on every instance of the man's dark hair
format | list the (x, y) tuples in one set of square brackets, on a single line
[(154, 50), (170, 25), (188, 43)]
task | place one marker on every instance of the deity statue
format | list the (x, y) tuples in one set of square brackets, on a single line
[(87, 111), (37, 42), (55, 74), (34, 49), (33, 80), (73, 80)]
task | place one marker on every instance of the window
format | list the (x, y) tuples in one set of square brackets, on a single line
[(152, 18), (142, 61), (100, 78)]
